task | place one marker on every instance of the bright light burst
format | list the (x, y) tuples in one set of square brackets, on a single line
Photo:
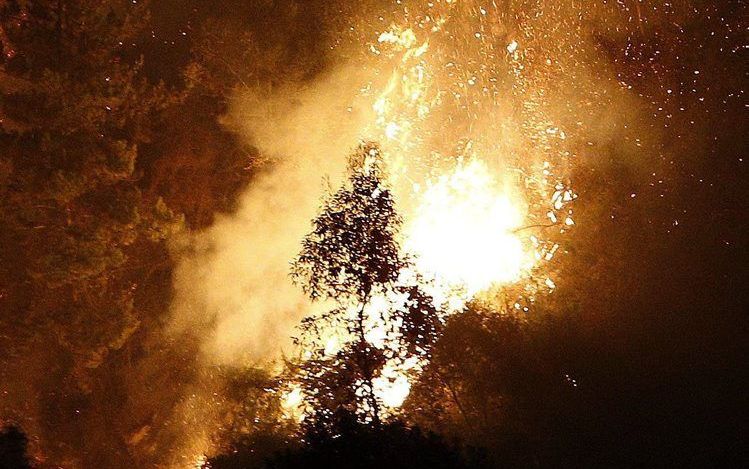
[(463, 231), (393, 385), (292, 403)]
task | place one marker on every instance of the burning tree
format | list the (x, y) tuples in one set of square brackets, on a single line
[(352, 258)]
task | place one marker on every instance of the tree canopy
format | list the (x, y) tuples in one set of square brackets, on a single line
[(352, 257)]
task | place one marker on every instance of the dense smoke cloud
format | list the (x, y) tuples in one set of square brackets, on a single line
[(232, 284)]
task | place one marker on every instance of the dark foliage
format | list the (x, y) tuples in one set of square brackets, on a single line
[(252, 452), (13, 443), (355, 446), (352, 249), (552, 392), (392, 445), (351, 256)]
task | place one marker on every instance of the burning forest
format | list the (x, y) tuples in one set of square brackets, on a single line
[(368, 234)]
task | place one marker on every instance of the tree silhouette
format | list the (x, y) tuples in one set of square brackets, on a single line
[(391, 445), (352, 258), (13, 444)]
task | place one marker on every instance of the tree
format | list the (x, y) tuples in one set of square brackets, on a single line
[(76, 108), (256, 46), (555, 390), (352, 258), (486, 384)]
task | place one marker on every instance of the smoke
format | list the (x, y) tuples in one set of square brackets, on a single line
[(232, 282)]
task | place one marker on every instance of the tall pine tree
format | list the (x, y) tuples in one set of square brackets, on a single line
[(76, 107)]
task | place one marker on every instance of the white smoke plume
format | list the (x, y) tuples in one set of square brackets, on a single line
[(232, 282)]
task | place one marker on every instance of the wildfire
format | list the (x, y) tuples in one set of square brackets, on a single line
[(292, 403), (393, 385), (444, 78)]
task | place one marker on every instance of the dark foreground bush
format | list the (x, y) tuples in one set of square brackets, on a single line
[(355, 445), (13, 444)]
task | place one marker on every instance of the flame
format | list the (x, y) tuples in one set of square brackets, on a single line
[(463, 231), (292, 403), (200, 462), (393, 385)]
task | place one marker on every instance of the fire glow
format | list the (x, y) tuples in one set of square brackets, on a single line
[(463, 232), (440, 110)]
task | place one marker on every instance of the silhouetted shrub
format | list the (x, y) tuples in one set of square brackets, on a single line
[(363, 446), (13, 444), (354, 445)]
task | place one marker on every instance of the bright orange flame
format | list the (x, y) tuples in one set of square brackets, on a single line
[(463, 231)]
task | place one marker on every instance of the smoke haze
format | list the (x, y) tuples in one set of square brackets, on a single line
[(232, 283)]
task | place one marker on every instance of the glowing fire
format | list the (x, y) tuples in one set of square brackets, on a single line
[(438, 92), (292, 403), (463, 231), (200, 462), (393, 386)]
